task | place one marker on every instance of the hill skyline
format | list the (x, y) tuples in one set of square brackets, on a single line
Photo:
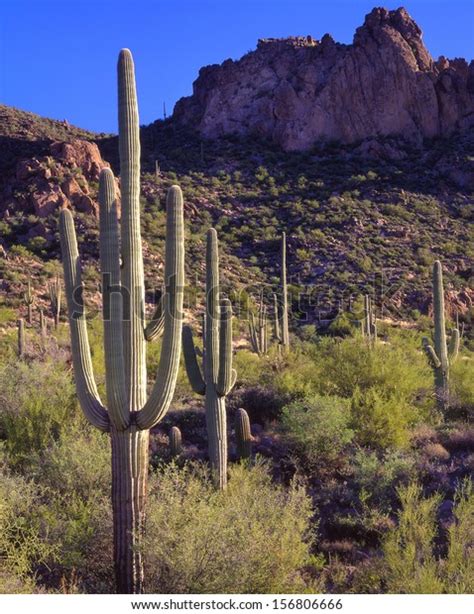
[(171, 45)]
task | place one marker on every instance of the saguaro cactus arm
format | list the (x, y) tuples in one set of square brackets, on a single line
[(430, 353), (112, 302), (454, 342), (191, 363), (81, 356), (227, 375), (162, 393)]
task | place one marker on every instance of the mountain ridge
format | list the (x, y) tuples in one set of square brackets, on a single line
[(299, 91)]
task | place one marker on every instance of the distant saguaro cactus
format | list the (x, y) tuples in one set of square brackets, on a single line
[(129, 414), (29, 299), (176, 441), (258, 329), (42, 323), (218, 376), (21, 338), (441, 355), (55, 293), (285, 335), (243, 436), (369, 322)]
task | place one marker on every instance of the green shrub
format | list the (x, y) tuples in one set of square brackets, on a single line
[(37, 401), (317, 428), (22, 533), (252, 538), (381, 420), (409, 563)]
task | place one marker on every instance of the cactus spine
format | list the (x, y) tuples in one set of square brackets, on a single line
[(243, 437), (29, 299), (176, 441), (218, 376), (441, 355), (129, 414), (55, 294), (285, 335), (21, 338)]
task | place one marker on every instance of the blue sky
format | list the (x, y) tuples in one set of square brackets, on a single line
[(57, 57)]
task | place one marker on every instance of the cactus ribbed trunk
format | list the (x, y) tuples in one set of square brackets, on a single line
[(129, 479), (440, 343), (216, 424)]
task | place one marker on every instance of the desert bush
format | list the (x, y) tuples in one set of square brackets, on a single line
[(410, 564), (75, 472), (317, 428), (22, 533), (36, 402), (254, 537), (381, 420)]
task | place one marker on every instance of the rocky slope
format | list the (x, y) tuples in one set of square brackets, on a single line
[(300, 91)]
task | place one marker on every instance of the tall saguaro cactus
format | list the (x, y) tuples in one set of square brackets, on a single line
[(441, 355), (55, 294), (129, 414), (218, 377), (285, 335), (29, 299)]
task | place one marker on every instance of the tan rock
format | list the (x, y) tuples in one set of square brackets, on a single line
[(300, 91), (82, 154)]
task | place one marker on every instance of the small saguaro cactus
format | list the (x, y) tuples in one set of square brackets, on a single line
[(129, 414), (441, 355), (42, 323), (55, 293), (29, 299), (218, 377), (176, 441), (285, 335), (243, 436), (369, 322), (258, 329), (21, 338)]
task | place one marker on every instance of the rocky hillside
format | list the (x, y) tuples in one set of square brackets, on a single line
[(300, 91), (368, 216)]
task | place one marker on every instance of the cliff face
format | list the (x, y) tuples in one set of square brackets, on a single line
[(299, 91)]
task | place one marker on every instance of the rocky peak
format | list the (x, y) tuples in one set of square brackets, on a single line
[(299, 91)]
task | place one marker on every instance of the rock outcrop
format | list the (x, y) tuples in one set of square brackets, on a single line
[(41, 185), (300, 91)]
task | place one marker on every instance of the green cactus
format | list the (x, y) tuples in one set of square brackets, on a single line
[(285, 335), (442, 354), (129, 414), (176, 442), (42, 323), (258, 329), (276, 319), (55, 294), (21, 338), (243, 436), (369, 322), (29, 299), (218, 377)]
